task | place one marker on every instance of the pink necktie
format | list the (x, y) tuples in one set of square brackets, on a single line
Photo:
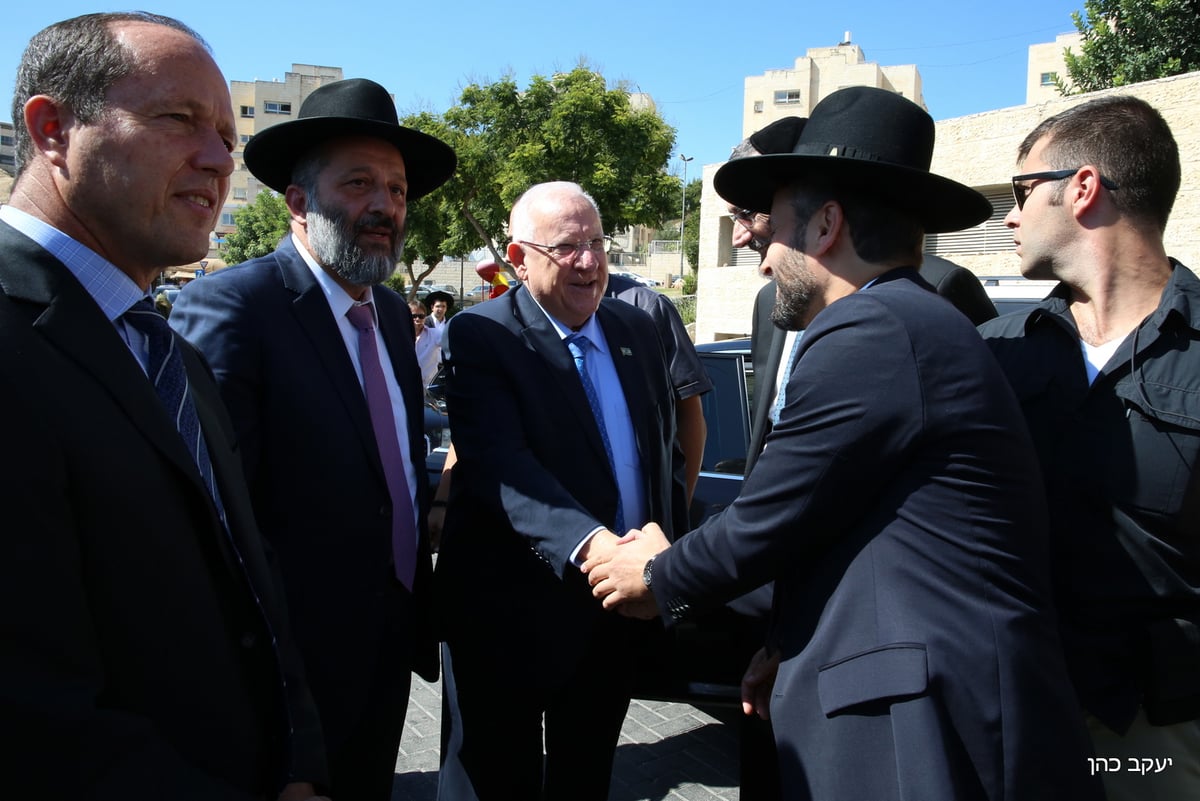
[(404, 535)]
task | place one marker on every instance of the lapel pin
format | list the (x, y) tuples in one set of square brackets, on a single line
[(626, 352)]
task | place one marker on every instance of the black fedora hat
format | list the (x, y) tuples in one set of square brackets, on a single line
[(866, 138), (354, 107)]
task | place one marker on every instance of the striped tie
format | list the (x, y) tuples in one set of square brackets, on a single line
[(165, 370)]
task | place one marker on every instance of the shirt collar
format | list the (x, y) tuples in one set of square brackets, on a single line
[(112, 289), (338, 298), (591, 329)]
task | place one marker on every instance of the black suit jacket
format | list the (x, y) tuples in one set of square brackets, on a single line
[(899, 511), (532, 478), (956, 284), (144, 645), (314, 469)]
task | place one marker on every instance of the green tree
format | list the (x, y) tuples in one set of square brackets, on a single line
[(1129, 41), (260, 226), (691, 224), (570, 126)]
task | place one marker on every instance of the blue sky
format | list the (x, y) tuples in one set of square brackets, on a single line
[(691, 57)]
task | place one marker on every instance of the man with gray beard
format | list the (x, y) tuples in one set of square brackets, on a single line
[(315, 361)]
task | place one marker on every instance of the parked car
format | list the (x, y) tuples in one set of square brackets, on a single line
[(650, 282), (1015, 293)]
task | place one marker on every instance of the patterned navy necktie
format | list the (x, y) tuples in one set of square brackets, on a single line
[(578, 344), (166, 371)]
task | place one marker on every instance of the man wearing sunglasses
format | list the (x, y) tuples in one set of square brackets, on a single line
[(564, 425), (1108, 375)]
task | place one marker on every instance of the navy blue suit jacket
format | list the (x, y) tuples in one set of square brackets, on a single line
[(532, 476), (313, 465), (898, 508)]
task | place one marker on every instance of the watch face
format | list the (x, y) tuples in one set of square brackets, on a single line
[(648, 572)]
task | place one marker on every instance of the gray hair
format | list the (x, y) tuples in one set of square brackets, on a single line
[(520, 220)]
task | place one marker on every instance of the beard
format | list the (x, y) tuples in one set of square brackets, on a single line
[(795, 288), (334, 242)]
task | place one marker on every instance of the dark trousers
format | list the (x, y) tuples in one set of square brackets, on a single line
[(362, 752), (494, 726)]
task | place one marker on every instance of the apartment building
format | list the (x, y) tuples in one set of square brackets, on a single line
[(257, 105), (821, 71), (8, 142), (978, 150)]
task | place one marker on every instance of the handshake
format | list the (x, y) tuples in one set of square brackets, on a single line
[(615, 567)]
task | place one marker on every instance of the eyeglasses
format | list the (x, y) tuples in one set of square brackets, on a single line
[(745, 216), (565, 250), (1022, 190), (420, 316)]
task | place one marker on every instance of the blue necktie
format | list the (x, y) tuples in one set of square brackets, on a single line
[(170, 379), (578, 344)]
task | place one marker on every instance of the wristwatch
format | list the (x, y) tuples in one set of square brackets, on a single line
[(648, 572)]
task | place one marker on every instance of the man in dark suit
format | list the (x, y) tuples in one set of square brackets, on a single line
[(897, 504), (146, 651), (769, 342), (563, 418), (316, 362)]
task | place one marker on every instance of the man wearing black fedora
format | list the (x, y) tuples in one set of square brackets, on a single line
[(913, 651), (315, 360)]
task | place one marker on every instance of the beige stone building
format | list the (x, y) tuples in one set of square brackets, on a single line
[(8, 143), (978, 150), (257, 105), (818, 73)]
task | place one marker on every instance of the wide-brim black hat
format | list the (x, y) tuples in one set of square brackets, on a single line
[(354, 107), (867, 139), (436, 295)]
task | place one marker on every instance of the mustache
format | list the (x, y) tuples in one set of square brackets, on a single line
[(375, 220)]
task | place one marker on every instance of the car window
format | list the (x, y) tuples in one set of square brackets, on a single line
[(726, 412)]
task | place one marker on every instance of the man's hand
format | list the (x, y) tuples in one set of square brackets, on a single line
[(300, 791), (758, 682), (616, 573)]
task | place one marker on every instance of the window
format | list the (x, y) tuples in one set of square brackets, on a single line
[(7, 140), (239, 193), (247, 111), (227, 218), (787, 97), (244, 138), (990, 236), (1048, 78), (758, 106), (271, 107)]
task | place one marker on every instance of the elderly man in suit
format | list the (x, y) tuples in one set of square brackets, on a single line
[(584, 449), (897, 504), (146, 651), (316, 362)]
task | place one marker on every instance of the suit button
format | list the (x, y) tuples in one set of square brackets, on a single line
[(248, 640), (385, 511)]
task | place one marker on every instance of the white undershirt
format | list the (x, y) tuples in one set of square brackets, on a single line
[(1096, 356)]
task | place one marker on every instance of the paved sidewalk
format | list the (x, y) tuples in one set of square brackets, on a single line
[(667, 751)]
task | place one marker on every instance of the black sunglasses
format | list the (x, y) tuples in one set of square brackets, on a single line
[(419, 316), (1021, 190)]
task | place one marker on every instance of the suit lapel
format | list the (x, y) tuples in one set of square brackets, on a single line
[(316, 320), (541, 337), (73, 323)]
